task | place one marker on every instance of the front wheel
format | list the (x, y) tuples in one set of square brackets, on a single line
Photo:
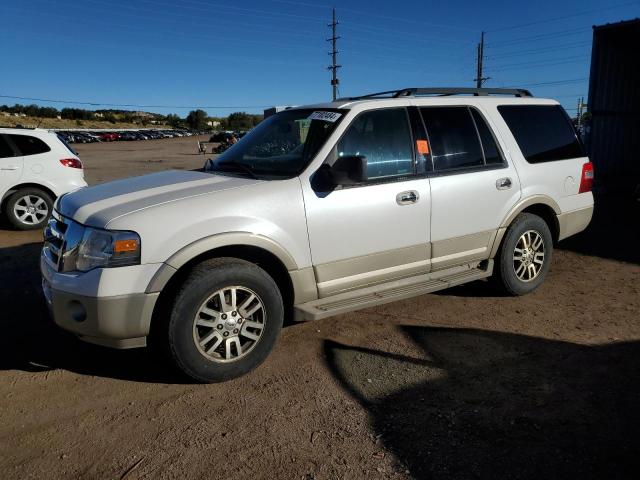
[(225, 320), (525, 255)]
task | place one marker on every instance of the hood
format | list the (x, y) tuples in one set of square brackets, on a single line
[(97, 206)]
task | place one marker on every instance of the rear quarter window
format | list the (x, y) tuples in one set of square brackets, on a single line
[(543, 132), (29, 145)]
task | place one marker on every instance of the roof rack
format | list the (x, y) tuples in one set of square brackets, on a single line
[(444, 92)]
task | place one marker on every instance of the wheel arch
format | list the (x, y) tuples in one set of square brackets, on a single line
[(541, 205), (257, 249), (21, 186)]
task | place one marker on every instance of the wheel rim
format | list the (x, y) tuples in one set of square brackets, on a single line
[(528, 256), (31, 209), (229, 324)]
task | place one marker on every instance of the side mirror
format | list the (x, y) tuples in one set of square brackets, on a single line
[(350, 170)]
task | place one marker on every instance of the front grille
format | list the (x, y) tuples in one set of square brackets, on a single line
[(54, 239), (61, 238)]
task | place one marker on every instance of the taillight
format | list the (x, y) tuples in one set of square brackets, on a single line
[(71, 162), (586, 181)]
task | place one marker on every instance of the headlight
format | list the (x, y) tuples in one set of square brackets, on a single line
[(104, 248)]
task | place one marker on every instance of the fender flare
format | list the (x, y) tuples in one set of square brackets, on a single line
[(516, 210), (203, 245), (527, 202)]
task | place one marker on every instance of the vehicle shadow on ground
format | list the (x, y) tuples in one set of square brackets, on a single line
[(614, 231), (31, 342), (482, 404)]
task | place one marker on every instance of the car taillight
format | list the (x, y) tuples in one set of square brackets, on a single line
[(586, 181), (71, 162)]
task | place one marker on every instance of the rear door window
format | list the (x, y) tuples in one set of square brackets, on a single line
[(29, 145), (453, 138), (543, 132), (490, 148), (5, 149)]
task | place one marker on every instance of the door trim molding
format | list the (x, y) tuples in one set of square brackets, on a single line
[(373, 268)]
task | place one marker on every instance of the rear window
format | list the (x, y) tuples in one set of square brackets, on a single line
[(544, 132), (67, 146), (29, 145)]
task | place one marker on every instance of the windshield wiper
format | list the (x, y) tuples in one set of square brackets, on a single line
[(238, 166)]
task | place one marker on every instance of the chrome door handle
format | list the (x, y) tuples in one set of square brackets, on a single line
[(407, 198), (503, 183)]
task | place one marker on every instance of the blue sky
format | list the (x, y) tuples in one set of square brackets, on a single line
[(245, 55)]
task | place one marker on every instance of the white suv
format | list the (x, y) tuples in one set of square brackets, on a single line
[(36, 167), (320, 210)]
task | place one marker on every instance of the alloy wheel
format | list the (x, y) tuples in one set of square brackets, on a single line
[(229, 324), (31, 209), (528, 256)]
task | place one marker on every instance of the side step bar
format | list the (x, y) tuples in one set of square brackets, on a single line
[(392, 291)]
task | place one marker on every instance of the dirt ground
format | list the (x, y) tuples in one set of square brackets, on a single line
[(464, 383)]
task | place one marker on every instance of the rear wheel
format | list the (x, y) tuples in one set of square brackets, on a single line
[(525, 255), (29, 208), (225, 320)]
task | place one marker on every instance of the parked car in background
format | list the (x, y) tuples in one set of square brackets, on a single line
[(36, 167), (109, 136)]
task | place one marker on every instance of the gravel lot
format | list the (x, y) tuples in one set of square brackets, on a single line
[(464, 383)]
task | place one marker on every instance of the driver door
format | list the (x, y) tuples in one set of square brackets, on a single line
[(378, 231)]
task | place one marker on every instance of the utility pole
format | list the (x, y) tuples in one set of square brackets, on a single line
[(579, 114), (334, 56), (479, 78), (582, 108)]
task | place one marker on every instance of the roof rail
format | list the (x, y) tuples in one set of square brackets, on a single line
[(443, 92)]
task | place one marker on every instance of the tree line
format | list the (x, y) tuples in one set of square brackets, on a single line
[(196, 119)]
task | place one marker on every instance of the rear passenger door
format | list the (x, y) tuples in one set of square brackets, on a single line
[(473, 186), (11, 165)]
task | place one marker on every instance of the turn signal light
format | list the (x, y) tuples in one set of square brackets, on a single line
[(122, 246), (71, 162), (586, 181)]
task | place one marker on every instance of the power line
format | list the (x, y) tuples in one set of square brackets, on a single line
[(534, 51), (540, 63), (377, 15), (578, 14), (555, 82), (133, 105), (562, 33)]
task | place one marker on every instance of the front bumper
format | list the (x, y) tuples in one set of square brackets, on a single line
[(118, 321)]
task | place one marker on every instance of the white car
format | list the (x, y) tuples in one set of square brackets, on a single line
[(36, 167), (318, 211)]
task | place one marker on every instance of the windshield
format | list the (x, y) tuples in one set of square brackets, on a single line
[(281, 146)]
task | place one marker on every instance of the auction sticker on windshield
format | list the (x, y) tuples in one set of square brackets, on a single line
[(325, 116)]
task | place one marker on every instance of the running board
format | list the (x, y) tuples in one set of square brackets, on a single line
[(392, 291)]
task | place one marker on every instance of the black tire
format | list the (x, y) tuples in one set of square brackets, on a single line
[(205, 280), (506, 265), (33, 221)]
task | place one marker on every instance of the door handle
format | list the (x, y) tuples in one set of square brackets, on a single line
[(407, 198), (503, 183), (10, 168)]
